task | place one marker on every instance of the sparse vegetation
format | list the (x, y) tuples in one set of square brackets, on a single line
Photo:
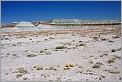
[(79, 66), (110, 61), (66, 68), (41, 51), (25, 78), (81, 54), (113, 58), (102, 76), (13, 44), (120, 78), (38, 67), (79, 72), (21, 70), (51, 68), (19, 75), (82, 44), (103, 55), (95, 38), (31, 55), (60, 47), (8, 54), (45, 39), (116, 57), (6, 38), (117, 36), (91, 62), (113, 50), (97, 65), (119, 49), (47, 53), (110, 41), (113, 71), (69, 65), (44, 52), (51, 38), (103, 39), (80, 41), (14, 54)]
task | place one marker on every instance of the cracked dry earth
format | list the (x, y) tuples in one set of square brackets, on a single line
[(73, 55)]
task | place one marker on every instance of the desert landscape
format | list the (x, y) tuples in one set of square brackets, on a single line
[(81, 54)]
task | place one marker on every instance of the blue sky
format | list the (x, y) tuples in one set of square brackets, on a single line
[(15, 11)]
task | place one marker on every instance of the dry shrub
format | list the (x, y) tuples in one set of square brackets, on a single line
[(119, 49), (113, 58), (60, 47), (103, 55), (117, 36), (25, 78), (19, 75), (38, 67), (113, 50), (82, 44), (103, 39), (41, 51), (113, 71), (97, 65), (31, 55), (51, 38), (8, 54), (69, 65), (116, 57), (13, 44), (110, 61), (21, 70), (66, 68), (110, 41), (51, 68), (91, 62)]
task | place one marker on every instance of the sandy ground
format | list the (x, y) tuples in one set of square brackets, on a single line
[(62, 55)]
